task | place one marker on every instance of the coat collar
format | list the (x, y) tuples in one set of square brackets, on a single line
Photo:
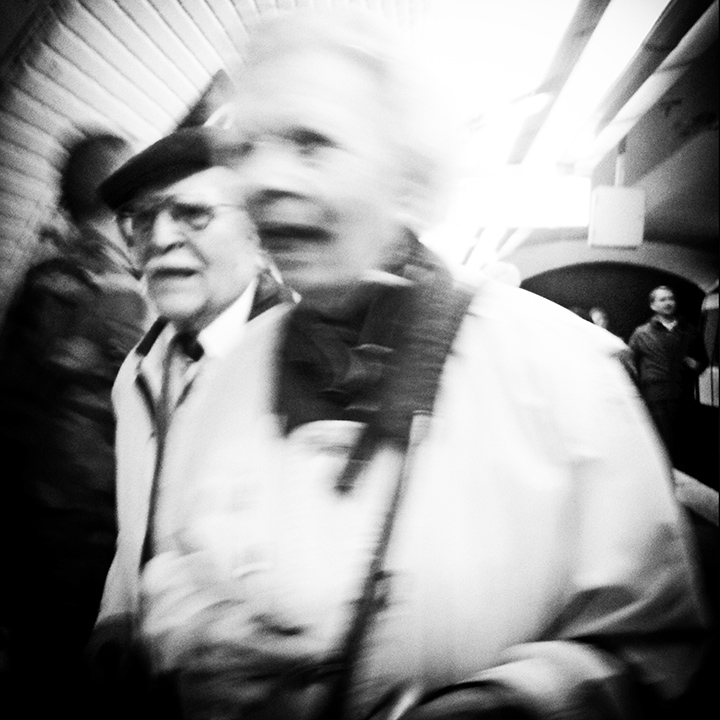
[(269, 292)]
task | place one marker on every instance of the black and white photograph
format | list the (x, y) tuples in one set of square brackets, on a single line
[(359, 359)]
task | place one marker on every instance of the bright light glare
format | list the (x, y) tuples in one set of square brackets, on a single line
[(450, 241), (514, 200), (485, 208), (480, 65)]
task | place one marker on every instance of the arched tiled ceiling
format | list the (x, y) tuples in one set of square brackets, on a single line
[(140, 66), (134, 66)]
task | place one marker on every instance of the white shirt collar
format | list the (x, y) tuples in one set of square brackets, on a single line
[(669, 324), (228, 327)]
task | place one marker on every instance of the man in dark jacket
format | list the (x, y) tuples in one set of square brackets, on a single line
[(668, 356)]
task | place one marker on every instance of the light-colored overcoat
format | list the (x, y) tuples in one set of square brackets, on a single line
[(540, 513)]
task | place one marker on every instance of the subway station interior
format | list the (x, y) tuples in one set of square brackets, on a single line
[(588, 151)]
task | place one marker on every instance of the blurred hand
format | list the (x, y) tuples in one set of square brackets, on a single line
[(257, 677)]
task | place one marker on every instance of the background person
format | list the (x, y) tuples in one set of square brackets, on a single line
[(76, 316), (538, 565), (668, 354), (600, 317), (581, 312)]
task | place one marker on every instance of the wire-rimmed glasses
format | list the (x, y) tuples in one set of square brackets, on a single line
[(136, 221)]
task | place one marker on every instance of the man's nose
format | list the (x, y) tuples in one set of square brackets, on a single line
[(165, 231)]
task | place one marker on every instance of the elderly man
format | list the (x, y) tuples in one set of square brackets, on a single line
[(517, 553), (209, 282)]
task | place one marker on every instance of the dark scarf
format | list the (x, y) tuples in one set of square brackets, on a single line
[(373, 366), (381, 366)]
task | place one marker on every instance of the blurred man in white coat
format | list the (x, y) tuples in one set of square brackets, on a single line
[(537, 565)]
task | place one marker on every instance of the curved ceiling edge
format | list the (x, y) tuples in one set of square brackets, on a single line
[(700, 268)]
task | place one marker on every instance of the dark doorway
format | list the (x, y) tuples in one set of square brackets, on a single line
[(622, 289)]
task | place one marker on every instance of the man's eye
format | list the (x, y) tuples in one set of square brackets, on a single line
[(144, 219), (309, 142), (196, 216)]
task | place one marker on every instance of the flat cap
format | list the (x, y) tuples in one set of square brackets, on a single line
[(170, 159)]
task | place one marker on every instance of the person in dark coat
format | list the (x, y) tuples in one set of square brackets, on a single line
[(668, 355), (77, 314)]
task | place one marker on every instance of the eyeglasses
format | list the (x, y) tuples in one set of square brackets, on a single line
[(137, 221)]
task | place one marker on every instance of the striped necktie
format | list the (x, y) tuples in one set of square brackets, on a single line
[(183, 352), (179, 366)]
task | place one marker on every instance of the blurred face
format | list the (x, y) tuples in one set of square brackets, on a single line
[(663, 303), (196, 246), (320, 174)]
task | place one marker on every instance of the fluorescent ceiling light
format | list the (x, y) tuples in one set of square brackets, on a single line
[(481, 67), (520, 199), (489, 144), (489, 80), (620, 32), (450, 241), (591, 149)]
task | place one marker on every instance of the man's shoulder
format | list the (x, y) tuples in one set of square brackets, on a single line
[(542, 325), (60, 277), (643, 329), (523, 308)]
